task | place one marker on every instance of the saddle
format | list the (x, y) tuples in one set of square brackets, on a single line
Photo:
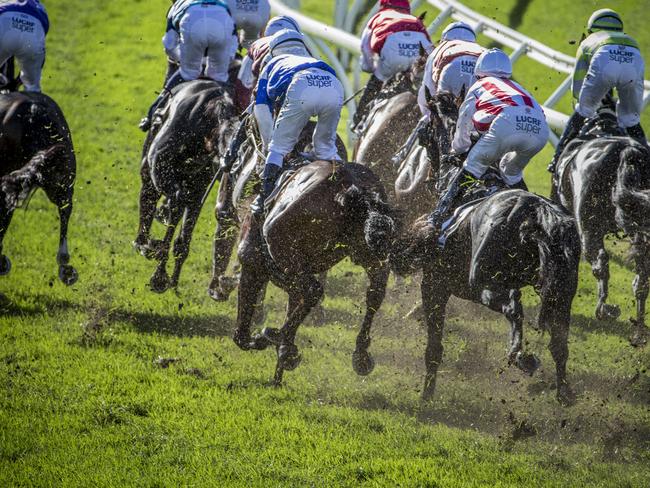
[(477, 193), (290, 169)]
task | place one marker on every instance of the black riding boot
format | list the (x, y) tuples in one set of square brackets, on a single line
[(454, 193), (231, 155), (372, 90), (571, 130), (173, 81), (8, 74), (636, 132), (270, 176)]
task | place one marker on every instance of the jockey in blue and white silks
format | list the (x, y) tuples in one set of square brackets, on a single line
[(295, 86), (250, 17), (23, 27)]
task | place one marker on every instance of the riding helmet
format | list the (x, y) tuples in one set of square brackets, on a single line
[(459, 31), (287, 41), (398, 4), (604, 19), (281, 22), (493, 62)]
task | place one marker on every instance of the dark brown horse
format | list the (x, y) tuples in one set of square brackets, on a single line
[(324, 213), (179, 161), (501, 244), (603, 178), (233, 201), (36, 152)]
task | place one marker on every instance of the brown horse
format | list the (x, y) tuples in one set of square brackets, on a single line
[(179, 163), (36, 152), (389, 123), (325, 212), (233, 201)]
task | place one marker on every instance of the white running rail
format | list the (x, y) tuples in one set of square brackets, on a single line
[(347, 13)]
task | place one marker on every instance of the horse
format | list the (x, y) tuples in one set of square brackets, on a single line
[(236, 190), (36, 151), (603, 178), (389, 122), (325, 211), (498, 245), (178, 162)]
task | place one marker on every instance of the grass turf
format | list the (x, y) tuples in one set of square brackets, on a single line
[(85, 400)]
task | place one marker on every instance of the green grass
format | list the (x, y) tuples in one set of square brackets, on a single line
[(84, 403)]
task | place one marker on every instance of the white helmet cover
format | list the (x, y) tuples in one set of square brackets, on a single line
[(459, 31), (493, 62), (278, 23), (287, 41)]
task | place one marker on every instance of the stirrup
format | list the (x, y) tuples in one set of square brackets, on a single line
[(145, 124)]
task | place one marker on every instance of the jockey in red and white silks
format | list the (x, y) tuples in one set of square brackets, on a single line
[(511, 124)]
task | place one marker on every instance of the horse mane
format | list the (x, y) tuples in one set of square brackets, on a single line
[(221, 109), (631, 193)]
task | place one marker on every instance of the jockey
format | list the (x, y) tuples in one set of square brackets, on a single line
[(295, 86), (510, 123), (390, 43), (450, 67), (23, 27), (608, 58), (205, 28), (250, 16), (256, 57)]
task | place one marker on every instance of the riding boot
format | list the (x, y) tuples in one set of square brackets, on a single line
[(363, 107), (7, 75), (636, 132), (228, 159), (571, 130), (270, 176), (454, 193), (173, 81)]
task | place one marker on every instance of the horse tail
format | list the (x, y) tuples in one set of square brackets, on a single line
[(366, 207), (558, 243), (19, 185), (631, 193)]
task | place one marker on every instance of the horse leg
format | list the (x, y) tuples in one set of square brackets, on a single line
[(159, 281), (559, 348), (5, 220), (640, 250), (304, 293), (434, 302), (597, 255), (508, 303), (149, 196), (362, 361), (182, 242), (225, 236), (67, 273), (253, 281), (318, 312)]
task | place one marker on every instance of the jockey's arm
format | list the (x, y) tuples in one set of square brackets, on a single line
[(367, 64), (580, 68), (245, 74), (462, 138), (263, 109)]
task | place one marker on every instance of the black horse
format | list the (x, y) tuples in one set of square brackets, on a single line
[(603, 178), (325, 212), (36, 152), (180, 159), (500, 244)]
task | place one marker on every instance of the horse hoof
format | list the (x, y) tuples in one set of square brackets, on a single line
[(68, 275), (159, 283), (363, 363), (5, 265), (565, 396), (528, 363), (288, 357), (243, 341), (259, 342), (640, 338), (228, 284), (608, 312)]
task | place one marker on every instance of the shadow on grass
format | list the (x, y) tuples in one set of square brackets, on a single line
[(40, 304), (190, 326)]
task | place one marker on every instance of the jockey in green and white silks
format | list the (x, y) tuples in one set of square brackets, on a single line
[(608, 58)]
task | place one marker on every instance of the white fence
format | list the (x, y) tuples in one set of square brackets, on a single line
[(347, 14)]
